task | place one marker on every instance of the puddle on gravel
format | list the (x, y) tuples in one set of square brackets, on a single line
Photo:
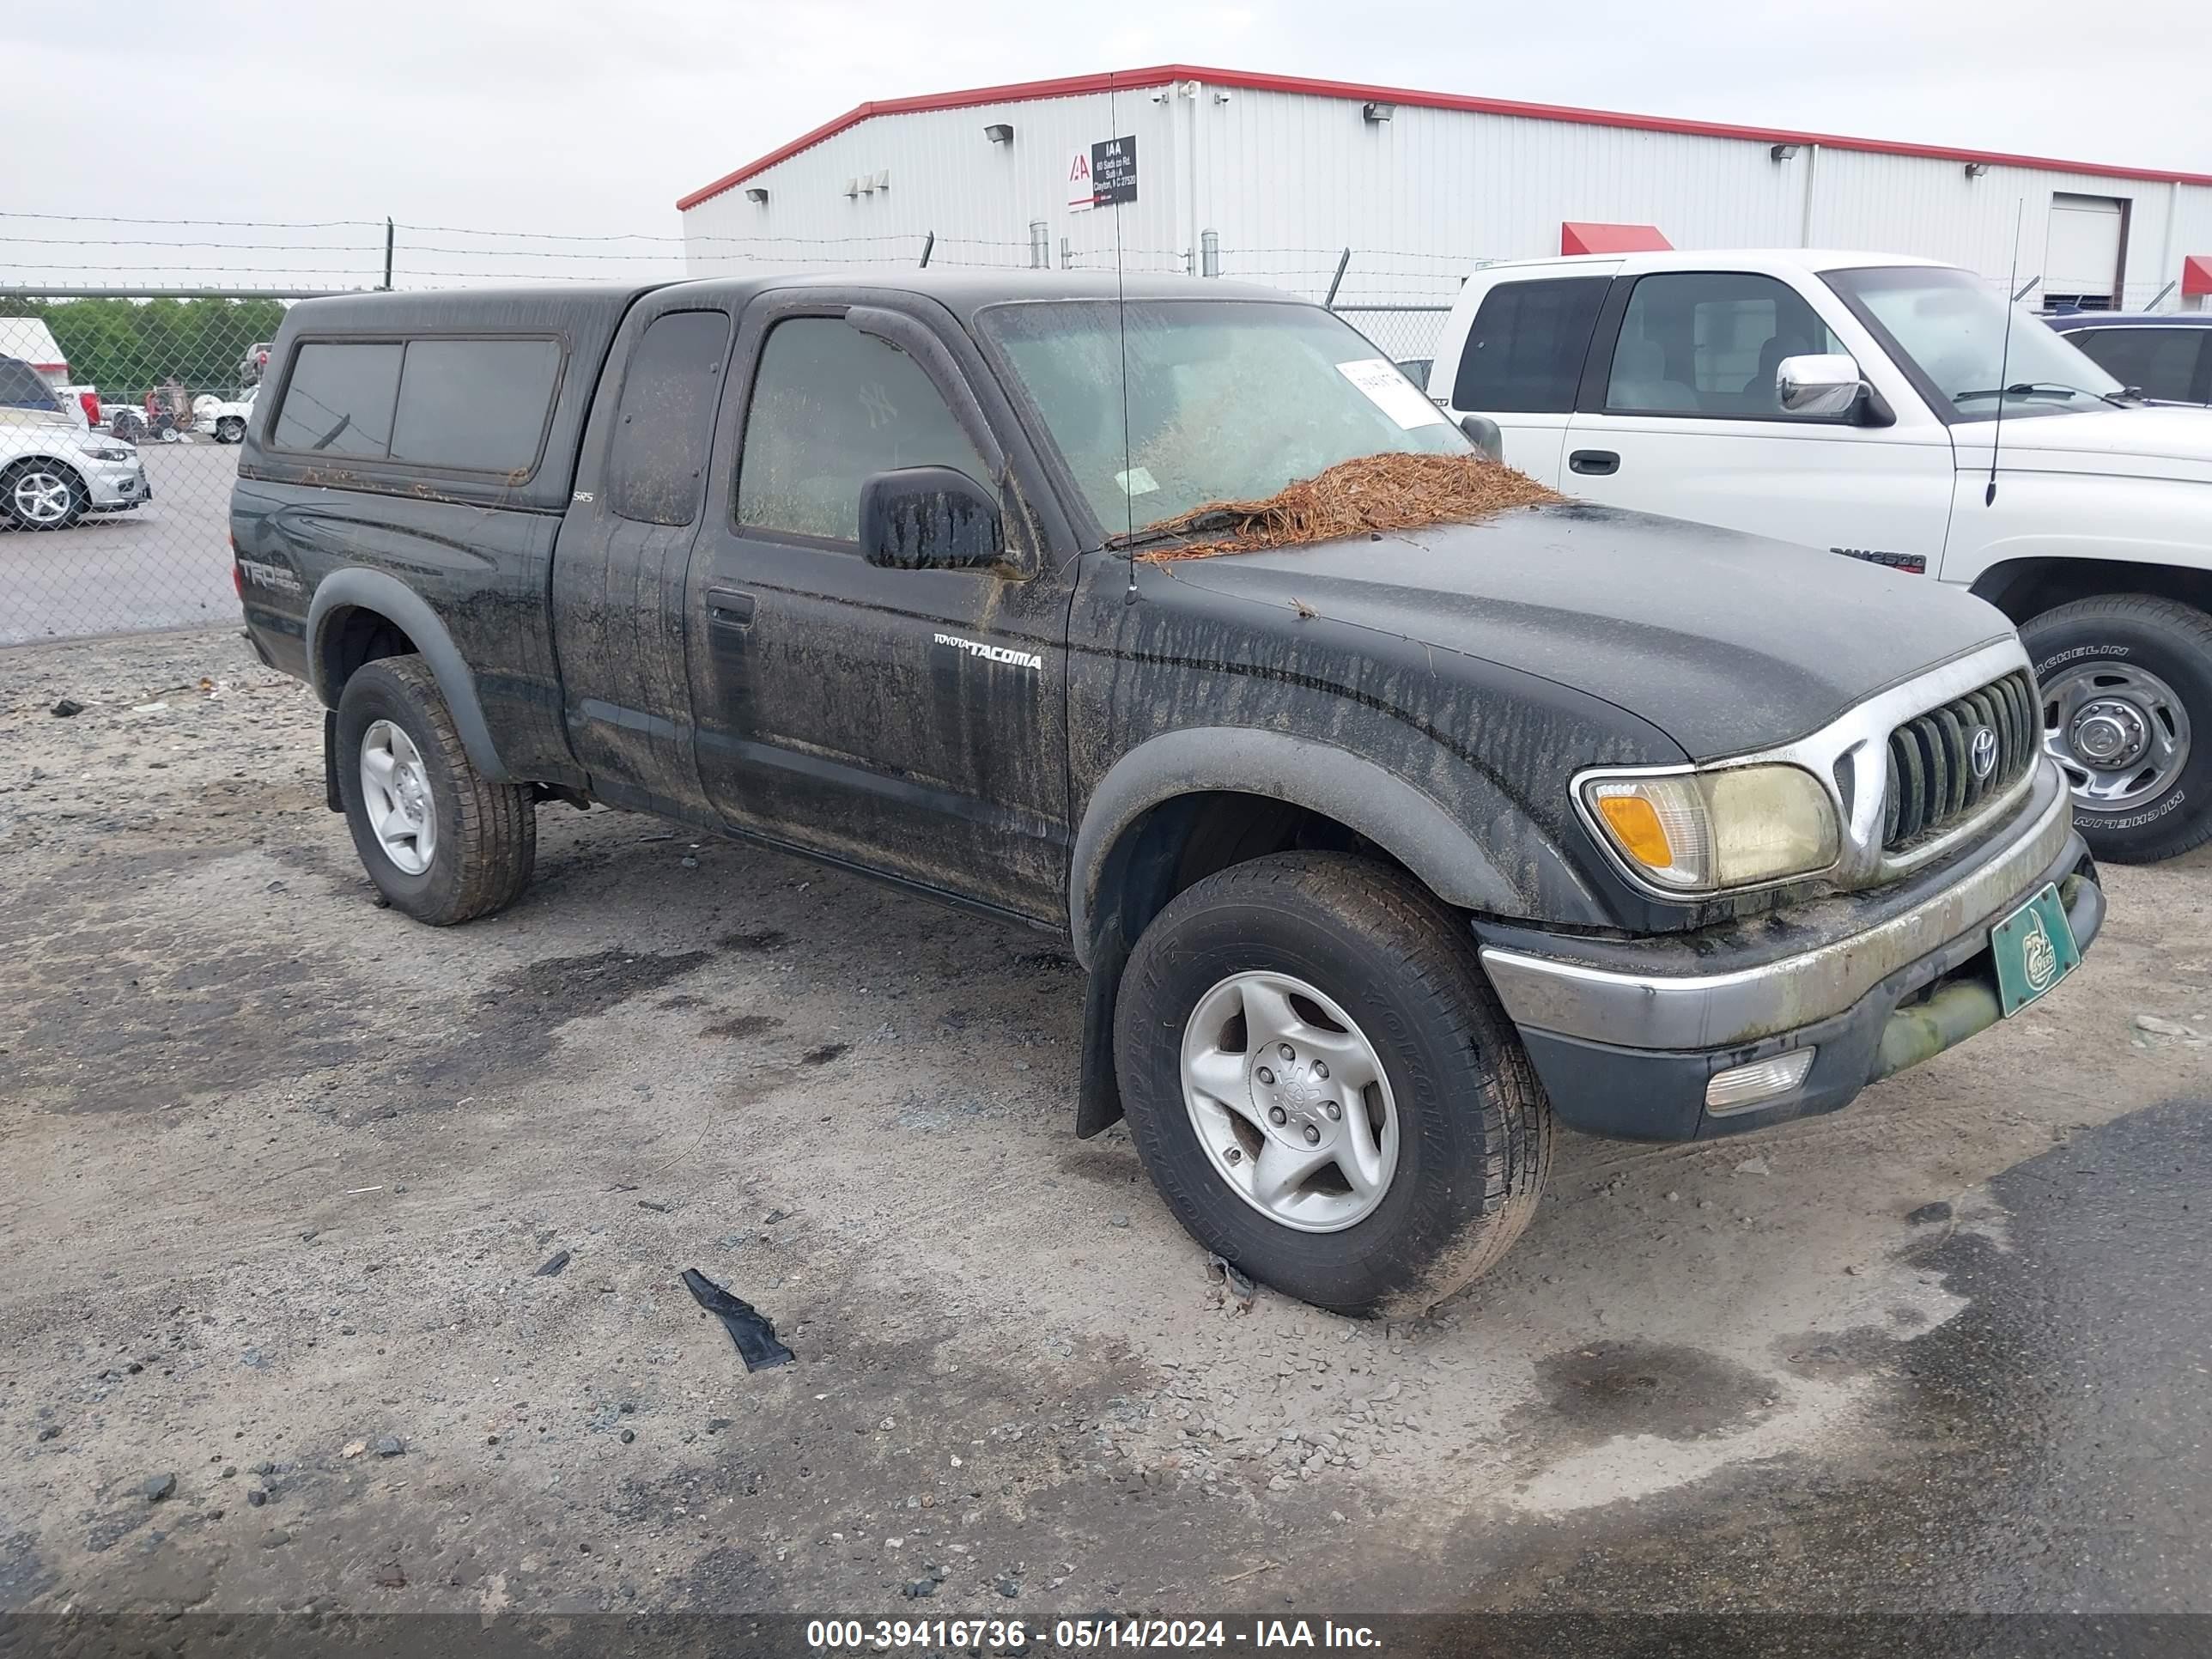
[(520, 1014), (739, 1026), (755, 941), (1599, 1389)]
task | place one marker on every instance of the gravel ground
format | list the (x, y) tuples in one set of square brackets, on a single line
[(287, 1176)]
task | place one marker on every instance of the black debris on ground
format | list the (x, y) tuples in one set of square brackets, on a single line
[(754, 1335)]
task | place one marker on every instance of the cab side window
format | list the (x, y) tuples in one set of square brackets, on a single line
[(830, 406), (664, 423), (1708, 343), (1524, 351)]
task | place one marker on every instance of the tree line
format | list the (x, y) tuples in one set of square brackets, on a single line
[(126, 347)]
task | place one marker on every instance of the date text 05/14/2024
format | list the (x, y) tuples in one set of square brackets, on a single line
[(1078, 1635)]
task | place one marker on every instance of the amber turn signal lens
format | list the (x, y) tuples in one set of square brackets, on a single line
[(1635, 825)]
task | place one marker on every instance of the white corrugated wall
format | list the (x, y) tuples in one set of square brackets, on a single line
[(1287, 179), (945, 176)]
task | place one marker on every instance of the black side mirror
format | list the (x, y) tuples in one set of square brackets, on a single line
[(1482, 432), (929, 518)]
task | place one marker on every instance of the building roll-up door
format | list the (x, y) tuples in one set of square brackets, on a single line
[(2081, 257)]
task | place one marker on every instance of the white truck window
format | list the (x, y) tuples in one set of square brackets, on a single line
[(1708, 343), (1524, 351), (1949, 330)]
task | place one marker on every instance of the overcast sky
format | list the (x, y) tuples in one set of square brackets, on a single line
[(554, 116)]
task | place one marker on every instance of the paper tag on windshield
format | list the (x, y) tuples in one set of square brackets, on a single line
[(1392, 392), (1137, 481)]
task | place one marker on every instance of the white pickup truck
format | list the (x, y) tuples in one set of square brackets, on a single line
[(1850, 401)]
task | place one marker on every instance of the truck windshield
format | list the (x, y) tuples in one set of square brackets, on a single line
[(1228, 399), (1950, 324)]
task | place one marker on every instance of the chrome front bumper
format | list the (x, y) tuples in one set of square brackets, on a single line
[(1629, 1037), (1679, 1011)]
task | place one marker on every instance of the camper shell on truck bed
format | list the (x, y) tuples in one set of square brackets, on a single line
[(1377, 851)]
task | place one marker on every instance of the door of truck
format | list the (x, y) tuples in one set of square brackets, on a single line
[(619, 568), (911, 721), (1677, 415)]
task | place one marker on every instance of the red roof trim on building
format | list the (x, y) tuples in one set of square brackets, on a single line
[(1161, 75)]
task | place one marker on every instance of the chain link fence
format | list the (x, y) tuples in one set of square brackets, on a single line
[(125, 385), (120, 418), (131, 352)]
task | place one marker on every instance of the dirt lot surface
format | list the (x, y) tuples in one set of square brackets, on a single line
[(286, 1175)]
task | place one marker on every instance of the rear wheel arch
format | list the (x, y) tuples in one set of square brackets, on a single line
[(356, 614)]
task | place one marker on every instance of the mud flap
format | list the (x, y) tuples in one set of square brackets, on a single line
[(1098, 1102), (330, 761)]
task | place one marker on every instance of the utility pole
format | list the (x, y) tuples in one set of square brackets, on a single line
[(387, 253)]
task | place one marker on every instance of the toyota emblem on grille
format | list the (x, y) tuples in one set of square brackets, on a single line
[(1982, 752)]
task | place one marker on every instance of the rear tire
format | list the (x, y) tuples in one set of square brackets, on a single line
[(229, 430), (2131, 676), (441, 841), (1455, 1101)]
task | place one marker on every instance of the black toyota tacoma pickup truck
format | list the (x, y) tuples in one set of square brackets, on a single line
[(1380, 853)]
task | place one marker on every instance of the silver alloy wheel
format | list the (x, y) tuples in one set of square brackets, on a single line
[(2119, 731), (395, 792), (1289, 1101), (39, 497)]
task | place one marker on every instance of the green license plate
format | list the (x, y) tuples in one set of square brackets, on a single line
[(2034, 948)]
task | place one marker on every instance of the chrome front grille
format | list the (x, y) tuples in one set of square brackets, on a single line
[(1933, 782)]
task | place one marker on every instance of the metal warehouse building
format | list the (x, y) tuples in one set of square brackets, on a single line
[(1277, 178)]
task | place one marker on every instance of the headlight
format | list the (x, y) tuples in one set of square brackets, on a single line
[(1702, 832), (110, 453)]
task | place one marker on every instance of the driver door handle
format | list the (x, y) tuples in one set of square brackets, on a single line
[(728, 608), (1598, 462)]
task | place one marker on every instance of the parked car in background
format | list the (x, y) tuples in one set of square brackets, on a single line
[(1848, 401), (1378, 852), (52, 472), (2167, 356), (223, 418), (25, 395)]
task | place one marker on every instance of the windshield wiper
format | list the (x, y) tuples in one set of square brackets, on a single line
[(1171, 531), (2032, 388)]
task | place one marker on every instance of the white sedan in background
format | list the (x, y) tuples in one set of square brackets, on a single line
[(52, 472)]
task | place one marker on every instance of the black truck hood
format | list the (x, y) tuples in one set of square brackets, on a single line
[(1724, 641)]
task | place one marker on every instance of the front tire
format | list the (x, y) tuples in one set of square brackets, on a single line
[(37, 494), (229, 430), (2127, 713), (444, 843), (1324, 1088)]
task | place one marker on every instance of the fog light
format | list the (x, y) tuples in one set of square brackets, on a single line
[(1742, 1086)]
